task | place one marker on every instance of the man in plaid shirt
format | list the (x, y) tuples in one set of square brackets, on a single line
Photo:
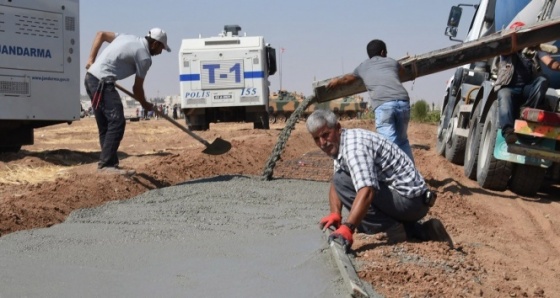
[(376, 181)]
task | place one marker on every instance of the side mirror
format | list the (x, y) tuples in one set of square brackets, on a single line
[(453, 21)]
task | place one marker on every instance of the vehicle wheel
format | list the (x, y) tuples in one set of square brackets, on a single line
[(455, 145), (440, 145), (271, 118), (526, 180), (473, 144), (491, 173), (281, 117)]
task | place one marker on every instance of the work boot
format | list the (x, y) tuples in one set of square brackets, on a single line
[(509, 135), (435, 231), (396, 234), (116, 171)]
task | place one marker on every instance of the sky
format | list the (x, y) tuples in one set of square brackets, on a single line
[(321, 39)]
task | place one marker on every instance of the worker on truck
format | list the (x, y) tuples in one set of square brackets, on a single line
[(376, 182), (520, 83), (124, 56)]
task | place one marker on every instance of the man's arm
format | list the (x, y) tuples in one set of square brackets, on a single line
[(363, 200), (139, 95), (334, 201), (100, 38), (550, 62), (344, 80)]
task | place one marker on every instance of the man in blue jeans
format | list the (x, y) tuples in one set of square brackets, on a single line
[(376, 182), (520, 83), (124, 56), (388, 97)]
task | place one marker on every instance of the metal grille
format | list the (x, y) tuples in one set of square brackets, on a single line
[(221, 42), (224, 75), (37, 26), (70, 24), (196, 101), (249, 99), (2, 22), (14, 88)]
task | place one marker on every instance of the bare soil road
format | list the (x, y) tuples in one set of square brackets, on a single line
[(506, 245)]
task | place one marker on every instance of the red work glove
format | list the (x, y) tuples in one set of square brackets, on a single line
[(332, 219), (344, 234)]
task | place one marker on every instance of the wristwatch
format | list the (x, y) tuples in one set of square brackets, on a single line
[(352, 227)]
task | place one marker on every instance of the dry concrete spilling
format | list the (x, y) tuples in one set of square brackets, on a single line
[(227, 236)]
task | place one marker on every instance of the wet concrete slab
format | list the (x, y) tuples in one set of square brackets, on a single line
[(228, 236)]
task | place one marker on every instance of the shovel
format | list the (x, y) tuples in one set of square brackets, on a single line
[(219, 146)]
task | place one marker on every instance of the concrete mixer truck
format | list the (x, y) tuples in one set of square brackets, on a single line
[(468, 133)]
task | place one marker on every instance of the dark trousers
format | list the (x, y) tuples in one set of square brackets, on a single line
[(512, 99), (387, 209), (109, 116)]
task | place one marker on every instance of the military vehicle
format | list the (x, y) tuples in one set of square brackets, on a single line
[(284, 103), (346, 108)]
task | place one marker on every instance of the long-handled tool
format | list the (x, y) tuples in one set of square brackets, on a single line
[(219, 146)]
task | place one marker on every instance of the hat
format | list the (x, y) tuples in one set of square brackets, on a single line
[(159, 35)]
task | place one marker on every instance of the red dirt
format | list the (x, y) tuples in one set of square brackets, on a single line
[(506, 245)]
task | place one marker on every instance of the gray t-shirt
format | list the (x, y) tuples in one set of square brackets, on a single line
[(124, 56), (381, 78)]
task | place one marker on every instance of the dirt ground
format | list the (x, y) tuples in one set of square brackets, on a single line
[(506, 245)]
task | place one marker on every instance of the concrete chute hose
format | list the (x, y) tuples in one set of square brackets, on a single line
[(283, 137)]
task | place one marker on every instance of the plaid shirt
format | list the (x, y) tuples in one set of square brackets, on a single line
[(372, 159)]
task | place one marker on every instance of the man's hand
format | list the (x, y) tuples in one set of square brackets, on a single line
[(333, 83), (345, 234), (332, 219)]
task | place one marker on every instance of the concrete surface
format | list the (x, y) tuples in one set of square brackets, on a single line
[(228, 236)]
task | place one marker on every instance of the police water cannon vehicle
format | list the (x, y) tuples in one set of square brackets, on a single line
[(39, 68), (225, 79)]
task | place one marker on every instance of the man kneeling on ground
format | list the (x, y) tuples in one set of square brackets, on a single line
[(376, 181)]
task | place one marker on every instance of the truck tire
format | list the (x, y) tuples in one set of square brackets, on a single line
[(281, 117), (272, 118), (526, 180), (491, 173), (473, 144), (440, 144), (455, 145)]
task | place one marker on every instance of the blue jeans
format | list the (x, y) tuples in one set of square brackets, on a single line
[(109, 116), (391, 121), (512, 99)]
